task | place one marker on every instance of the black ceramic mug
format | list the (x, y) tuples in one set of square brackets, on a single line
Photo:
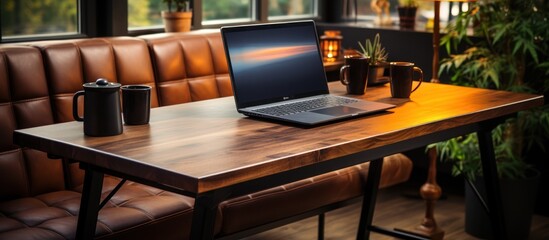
[(354, 74), (136, 104), (402, 76)]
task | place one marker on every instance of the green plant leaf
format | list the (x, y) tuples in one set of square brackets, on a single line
[(374, 50), (500, 32), (509, 51)]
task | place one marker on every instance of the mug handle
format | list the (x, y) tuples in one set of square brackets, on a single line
[(342, 71), (75, 106), (416, 69)]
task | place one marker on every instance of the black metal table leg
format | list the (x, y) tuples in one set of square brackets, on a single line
[(320, 227), (89, 204), (205, 211), (491, 181), (369, 201)]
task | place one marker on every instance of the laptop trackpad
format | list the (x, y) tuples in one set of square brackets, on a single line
[(338, 111)]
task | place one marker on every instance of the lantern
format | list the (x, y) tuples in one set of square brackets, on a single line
[(330, 45)]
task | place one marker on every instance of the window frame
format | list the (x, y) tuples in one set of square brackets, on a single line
[(259, 14), (97, 18)]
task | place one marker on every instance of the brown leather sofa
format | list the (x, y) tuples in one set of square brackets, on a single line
[(40, 196)]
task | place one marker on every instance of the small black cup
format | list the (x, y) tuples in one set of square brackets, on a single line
[(136, 104), (354, 74), (402, 76)]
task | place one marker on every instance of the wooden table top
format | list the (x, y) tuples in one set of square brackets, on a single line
[(206, 145)]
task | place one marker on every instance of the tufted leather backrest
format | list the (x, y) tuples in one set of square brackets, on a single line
[(71, 63), (38, 81), (24, 102), (189, 66)]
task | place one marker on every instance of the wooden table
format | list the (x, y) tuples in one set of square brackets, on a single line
[(208, 151)]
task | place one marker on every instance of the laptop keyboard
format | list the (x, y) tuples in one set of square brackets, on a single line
[(303, 106)]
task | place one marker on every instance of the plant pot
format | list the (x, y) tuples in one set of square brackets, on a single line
[(375, 75), (407, 17), (177, 21), (518, 199)]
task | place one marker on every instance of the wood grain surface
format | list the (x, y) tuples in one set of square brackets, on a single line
[(207, 145)]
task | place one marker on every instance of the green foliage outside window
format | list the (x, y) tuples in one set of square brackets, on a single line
[(32, 17), (291, 7), (225, 9), (145, 13)]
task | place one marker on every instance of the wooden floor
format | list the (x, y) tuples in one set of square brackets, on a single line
[(395, 208)]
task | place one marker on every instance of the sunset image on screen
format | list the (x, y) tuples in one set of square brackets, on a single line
[(258, 56)]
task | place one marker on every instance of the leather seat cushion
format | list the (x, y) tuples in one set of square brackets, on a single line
[(54, 215), (135, 206), (305, 195)]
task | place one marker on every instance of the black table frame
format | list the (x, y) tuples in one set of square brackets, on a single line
[(206, 204)]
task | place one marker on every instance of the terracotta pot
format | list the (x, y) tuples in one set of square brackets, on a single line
[(177, 21)]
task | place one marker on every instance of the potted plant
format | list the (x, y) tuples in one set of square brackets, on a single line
[(507, 52), (378, 59), (178, 16), (407, 10)]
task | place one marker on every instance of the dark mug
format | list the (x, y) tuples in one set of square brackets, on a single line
[(354, 74), (402, 76), (136, 104)]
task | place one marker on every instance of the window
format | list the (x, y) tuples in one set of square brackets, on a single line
[(143, 14), (364, 10), (32, 18), (291, 8), (223, 11), (23, 20), (425, 10)]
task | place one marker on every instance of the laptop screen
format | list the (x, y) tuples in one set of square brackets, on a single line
[(274, 62)]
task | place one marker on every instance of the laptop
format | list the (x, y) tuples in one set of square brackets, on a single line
[(277, 73)]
